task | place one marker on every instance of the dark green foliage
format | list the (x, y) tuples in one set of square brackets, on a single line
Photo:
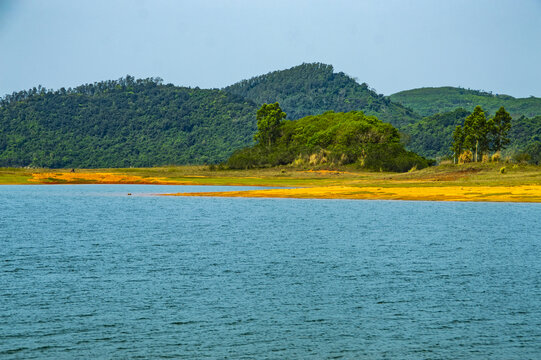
[(479, 135), (500, 126), (333, 139), (475, 133), (534, 152), (269, 118), (432, 136), (123, 123), (458, 142), (524, 132), (144, 123), (311, 89), (429, 101)]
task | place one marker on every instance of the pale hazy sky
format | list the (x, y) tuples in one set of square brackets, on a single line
[(393, 45)]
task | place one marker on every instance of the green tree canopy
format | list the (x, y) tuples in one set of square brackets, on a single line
[(458, 142), (269, 117), (122, 123), (332, 139), (534, 152), (481, 135), (500, 128), (476, 129), (311, 89)]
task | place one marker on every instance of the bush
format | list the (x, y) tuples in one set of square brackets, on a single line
[(502, 170), (496, 157), (391, 157), (244, 159), (534, 151), (465, 157), (521, 157)]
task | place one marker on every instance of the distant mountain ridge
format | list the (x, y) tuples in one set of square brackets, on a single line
[(433, 100), (312, 89)]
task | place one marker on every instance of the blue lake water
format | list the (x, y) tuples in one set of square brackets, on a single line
[(89, 272)]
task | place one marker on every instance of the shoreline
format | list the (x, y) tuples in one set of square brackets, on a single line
[(524, 194), (475, 182)]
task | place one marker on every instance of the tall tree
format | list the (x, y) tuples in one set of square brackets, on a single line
[(269, 117), (458, 142), (500, 129), (476, 130)]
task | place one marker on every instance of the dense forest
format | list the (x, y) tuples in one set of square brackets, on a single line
[(430, 101), (143, 122), (328, 139), (121, 124), (312, 89)]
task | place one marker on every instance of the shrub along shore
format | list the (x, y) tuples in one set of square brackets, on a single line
[(468, 182)]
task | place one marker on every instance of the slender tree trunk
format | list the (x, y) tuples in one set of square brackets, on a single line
[(476, 148)]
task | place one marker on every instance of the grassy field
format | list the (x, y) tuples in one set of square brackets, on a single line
[(468, 182)]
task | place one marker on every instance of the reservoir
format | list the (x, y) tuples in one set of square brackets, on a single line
[(87, 271)]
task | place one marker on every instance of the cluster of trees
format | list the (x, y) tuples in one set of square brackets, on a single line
[(433, 135), (480, 135), (311, 89), (325, 140), (123, 123)]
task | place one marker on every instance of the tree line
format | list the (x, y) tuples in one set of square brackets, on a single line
[(479, 135)]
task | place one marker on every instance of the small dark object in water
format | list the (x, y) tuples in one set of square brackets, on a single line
[(129, 193)]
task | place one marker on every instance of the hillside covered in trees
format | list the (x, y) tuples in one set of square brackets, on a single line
[(429, 101), (312, 89), (328, 139), (123, 123), (143, 122)]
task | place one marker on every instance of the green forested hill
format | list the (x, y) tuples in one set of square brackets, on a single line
[(132, 122), (123, 123), (311, 89), (429, 101), (433, 135)]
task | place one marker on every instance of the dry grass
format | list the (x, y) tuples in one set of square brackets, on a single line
[(447, 193), (468, 182)]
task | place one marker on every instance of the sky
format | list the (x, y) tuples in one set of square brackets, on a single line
[(392, 45)]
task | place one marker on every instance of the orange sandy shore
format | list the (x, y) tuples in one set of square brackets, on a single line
[(98, 178), (445, 193), (409, 191)]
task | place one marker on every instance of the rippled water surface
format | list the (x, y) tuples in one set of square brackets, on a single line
[(89, 272)]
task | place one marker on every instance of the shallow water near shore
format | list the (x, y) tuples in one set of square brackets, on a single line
[(90, 272)]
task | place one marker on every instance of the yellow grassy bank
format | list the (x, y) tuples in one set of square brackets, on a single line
[(93, 178), (476, 182), (442, 193)]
